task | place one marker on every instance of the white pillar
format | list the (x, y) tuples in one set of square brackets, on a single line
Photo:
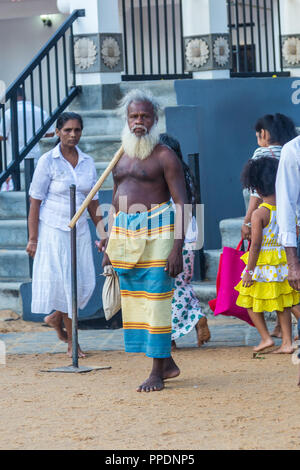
[(98, 42), (206, 39), (290, 32)]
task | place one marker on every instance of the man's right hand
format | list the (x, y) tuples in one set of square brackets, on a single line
[(245, 232), (106, 260)]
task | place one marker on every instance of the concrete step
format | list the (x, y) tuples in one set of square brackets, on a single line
[(104, 122), (100, 167), (108, 122), (212, 258), (10, 297), (12, 205), (163, 90), (205, 291), (231, 231), (101, 148), (14, 264), (97, 97), (13, 234)]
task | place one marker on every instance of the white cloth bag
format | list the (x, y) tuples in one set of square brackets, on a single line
[(111, 295)]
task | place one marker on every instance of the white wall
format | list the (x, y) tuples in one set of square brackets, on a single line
[(23, 9), (20, 40)]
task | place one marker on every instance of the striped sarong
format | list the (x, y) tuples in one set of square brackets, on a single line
[(138, 249)]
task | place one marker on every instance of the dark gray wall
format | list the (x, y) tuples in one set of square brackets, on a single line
[(216, 119)]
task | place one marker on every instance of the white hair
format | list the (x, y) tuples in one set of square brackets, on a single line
[(138, 96)]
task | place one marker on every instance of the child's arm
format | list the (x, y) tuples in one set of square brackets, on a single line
[(257, 225)]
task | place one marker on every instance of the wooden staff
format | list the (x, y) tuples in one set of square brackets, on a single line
[(97, 186)]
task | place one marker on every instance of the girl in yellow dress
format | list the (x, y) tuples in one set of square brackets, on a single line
[(264, 286)]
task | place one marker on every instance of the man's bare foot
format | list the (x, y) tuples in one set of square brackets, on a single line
[(55, 321), (276, 333), (173, 345), (203, 333), (285, 350), (263, 345), (152, 384), (171, 370), (80, 352)]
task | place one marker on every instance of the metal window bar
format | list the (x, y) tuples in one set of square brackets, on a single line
[(125, 34), (142, 36), (34, 74), (273, 33), (266, 36), (174, 36), (279, 30), (154, 30), (150, 35), (253, 26), (158, 35), (245, 36), (253, 58), (166, 35)]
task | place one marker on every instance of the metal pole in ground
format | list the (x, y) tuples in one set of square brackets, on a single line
[(74, 279), (74, 368)]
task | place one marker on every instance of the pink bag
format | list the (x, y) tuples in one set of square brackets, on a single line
[(229, 275)]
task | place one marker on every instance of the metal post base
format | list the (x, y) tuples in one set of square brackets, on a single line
[(77, 370)]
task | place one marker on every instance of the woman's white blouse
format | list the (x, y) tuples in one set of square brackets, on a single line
[(51, 185)]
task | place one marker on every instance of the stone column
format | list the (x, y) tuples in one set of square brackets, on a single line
[(290, 35), (206, 38), (98, 41)]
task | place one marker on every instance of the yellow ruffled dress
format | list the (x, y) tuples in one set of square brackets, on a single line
[(270, 290)]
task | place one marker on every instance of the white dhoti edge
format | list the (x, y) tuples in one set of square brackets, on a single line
[(51, 278)]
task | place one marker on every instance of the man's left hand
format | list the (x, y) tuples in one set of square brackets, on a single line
[(175, 263), (294, 275)]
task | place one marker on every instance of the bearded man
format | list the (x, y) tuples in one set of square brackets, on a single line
[(146, 239)]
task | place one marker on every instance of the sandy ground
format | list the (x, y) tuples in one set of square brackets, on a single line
[(223, 399), (11, 322)]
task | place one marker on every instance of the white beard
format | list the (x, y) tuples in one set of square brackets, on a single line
[(140, 147)]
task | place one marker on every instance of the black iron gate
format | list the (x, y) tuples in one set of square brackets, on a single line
[(153, 39), (255, 36)]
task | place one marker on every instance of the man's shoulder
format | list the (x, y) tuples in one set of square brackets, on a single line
[(291, 149), (293, 144), (166, 153)]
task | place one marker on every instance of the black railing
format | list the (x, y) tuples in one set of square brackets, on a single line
[(255, 37), (153, 39), (35, 100)]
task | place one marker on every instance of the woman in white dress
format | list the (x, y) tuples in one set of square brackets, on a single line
[(49, 234)]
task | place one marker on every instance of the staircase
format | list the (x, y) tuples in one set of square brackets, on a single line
[(14, 264)]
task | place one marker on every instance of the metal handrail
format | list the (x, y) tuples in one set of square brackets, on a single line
[(13, 168)]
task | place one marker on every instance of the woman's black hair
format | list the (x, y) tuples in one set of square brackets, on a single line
[(65, 117), (259, 174), (191, 186), (281, 128)]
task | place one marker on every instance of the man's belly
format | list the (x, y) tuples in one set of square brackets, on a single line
[(134, 198)]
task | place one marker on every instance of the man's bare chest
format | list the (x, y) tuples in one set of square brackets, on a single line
[(142, 170)]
